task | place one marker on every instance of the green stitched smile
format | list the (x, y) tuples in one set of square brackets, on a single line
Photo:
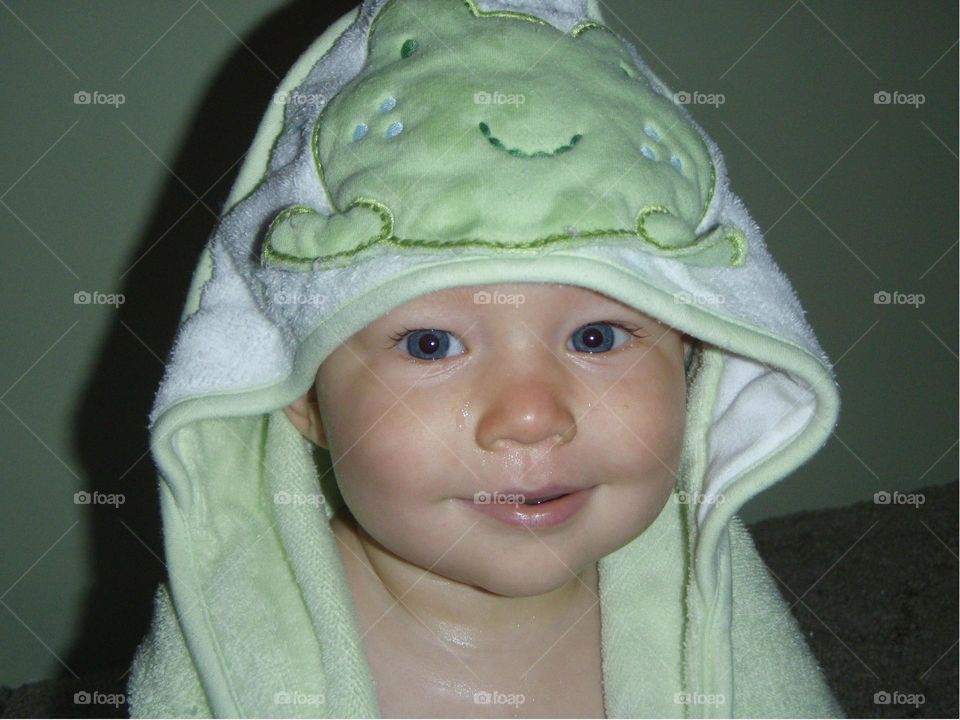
[(517, 152)]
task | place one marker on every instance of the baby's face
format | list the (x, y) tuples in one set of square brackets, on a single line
[(568, 387)]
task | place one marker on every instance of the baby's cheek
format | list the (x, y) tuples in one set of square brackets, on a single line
[(648, 429), (385, 451), (668, 405)]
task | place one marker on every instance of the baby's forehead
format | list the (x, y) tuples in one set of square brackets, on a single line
[(487, 294)]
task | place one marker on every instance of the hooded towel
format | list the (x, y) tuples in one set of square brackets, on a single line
[(425, 144)]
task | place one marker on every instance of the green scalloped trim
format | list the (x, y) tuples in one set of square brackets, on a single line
[(270, 256)]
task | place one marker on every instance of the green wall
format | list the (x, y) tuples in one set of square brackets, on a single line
[(855, 198)]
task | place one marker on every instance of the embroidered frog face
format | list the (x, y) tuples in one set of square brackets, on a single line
[(469, 128)]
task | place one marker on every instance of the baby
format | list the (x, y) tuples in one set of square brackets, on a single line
[(452, 422), (474, 376)]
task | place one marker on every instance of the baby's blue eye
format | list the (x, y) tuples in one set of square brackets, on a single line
[(596, 337), (426, 344), (434, 344)]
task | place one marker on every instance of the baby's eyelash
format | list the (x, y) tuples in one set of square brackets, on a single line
[(397, 337), (635, 331)]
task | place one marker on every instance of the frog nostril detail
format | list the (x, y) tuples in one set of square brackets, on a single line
[(648, 153), (360, 132), (408, 48), (652, 133), (395, 129), (389, 104)]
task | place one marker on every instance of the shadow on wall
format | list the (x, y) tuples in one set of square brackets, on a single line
[(110, 426)]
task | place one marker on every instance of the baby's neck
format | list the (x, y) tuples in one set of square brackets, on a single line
[(409, 599)]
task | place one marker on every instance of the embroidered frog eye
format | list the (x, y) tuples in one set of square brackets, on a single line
[(408, 48)]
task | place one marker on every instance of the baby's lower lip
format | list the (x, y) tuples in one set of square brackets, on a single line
[(547, 514)]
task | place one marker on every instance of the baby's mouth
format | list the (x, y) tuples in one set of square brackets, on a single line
[(546, 511), (540, 501)]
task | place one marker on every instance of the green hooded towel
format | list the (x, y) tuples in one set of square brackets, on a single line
[(420, 145)]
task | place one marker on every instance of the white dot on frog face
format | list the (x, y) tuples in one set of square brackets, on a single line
[(389, 104), (395, 129), (648, 153), (360, 132)]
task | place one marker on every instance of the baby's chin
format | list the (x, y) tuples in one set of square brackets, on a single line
[(527, 565), (518, 563), (510, 579)]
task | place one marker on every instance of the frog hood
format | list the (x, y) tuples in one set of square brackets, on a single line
[(425, 144)]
